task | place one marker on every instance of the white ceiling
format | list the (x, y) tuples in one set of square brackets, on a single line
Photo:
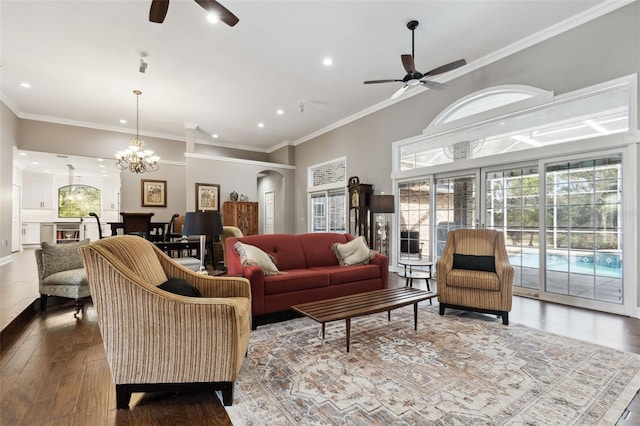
[(81, 59)]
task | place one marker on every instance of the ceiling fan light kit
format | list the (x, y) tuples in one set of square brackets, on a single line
[(159, 9), (414, 77)]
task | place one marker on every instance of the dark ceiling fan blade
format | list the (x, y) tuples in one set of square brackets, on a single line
[(158, 11), (407, 63), (380, 81), (213, 6), (435, 85), (446, 68)]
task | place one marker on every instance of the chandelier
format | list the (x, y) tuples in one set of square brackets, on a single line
[(136, 158)]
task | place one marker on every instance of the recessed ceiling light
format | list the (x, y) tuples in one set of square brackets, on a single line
[(215, 136), (327, 61), (35, 163), (279, 112), (101, 166), (213, 18), (22, 154), (123, 121), (100, 159), (261, 125), (25, 85), (46, 170)]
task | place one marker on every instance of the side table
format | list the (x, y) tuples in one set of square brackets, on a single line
[(418, 275)]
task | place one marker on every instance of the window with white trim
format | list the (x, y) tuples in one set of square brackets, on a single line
[(328, 196)]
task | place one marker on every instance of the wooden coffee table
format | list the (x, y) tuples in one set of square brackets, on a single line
[(356, 305)]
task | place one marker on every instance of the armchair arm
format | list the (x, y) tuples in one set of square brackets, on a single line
[(444, 265), (209, 286)]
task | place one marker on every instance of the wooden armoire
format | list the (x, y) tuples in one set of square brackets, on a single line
[(243, 214)]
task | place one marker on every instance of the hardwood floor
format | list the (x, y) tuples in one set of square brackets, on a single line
[(53, 369)]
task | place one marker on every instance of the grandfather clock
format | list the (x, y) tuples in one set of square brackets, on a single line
[(359, 207)]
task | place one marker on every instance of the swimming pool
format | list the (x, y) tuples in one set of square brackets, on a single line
[(602, 264)]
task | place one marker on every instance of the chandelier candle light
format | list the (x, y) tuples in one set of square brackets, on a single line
[(136, 158)]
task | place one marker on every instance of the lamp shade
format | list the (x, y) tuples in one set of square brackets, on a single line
[(382, 204), (202, 223)]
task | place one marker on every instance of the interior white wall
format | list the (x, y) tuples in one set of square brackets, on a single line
[(8, 139)]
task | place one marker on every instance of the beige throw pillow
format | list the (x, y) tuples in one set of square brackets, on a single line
[(251, 255), (355, 252)]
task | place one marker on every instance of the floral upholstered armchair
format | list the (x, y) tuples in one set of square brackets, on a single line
[(474, 273), (157, 340)]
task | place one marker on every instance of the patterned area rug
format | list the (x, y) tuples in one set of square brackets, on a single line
[(452, 371)]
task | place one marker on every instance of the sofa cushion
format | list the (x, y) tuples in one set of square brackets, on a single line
[(61, 257), (251, 255), (473, 279), (285, 249), (341, 275), (72, 277), (317, 247), (295, 280), (474, 263), (180, 286), (355, 252)]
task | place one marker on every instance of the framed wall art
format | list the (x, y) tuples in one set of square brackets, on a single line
[(207, 197), (154, 193)]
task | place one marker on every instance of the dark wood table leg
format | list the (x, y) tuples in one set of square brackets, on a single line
[(323, 330), (415, 316), (348, 320), (389, 315)]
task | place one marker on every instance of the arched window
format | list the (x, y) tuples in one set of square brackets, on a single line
[(505, 119), (78, 200)]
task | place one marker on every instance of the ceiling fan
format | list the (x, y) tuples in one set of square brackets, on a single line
[(415, 78), (159, 8)]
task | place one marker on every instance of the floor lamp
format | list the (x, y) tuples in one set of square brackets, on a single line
[(381, 204), (204, 224)]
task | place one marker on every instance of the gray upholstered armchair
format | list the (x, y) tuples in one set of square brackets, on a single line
[(161, 341), (474, 273), (60, 273)]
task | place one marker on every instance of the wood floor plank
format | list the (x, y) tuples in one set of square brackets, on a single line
[(93, 396), (19, 398), (67, 394)]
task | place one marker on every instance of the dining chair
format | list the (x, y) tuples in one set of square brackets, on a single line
[(137, 224)]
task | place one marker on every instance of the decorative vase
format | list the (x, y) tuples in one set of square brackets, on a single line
[(233, 196)]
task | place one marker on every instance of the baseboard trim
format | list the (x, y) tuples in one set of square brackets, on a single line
[(16, 326)]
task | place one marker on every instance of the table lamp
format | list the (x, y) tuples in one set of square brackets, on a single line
[(204, 224), (382, 204)]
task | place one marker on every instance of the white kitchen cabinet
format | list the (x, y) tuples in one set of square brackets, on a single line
[(30, 233), (38, 192)]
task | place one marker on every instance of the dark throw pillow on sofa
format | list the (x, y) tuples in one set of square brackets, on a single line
[(180, 286), (475, 263)]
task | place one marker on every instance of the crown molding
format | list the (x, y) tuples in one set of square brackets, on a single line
[(240, 161), (95, 126)]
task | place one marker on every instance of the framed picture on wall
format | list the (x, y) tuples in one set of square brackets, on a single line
[(207, 197), (154, 193)]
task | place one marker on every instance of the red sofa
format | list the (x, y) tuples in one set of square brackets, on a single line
[(312, 271)]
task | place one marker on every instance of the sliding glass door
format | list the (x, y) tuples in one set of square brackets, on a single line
[(583, 229), (512, 207), (455, 206)]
